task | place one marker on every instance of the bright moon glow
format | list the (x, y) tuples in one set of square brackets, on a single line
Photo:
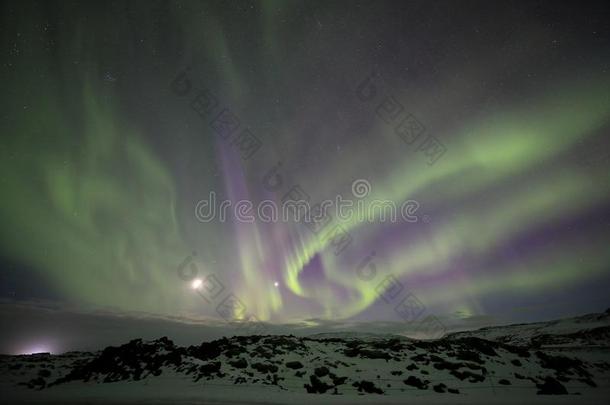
[(276, 284), (196, 283)]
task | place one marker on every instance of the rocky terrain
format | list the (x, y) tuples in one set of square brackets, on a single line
[(508, 359)]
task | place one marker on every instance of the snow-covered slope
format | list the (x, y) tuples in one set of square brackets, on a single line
[(337, 368), (591, 330)]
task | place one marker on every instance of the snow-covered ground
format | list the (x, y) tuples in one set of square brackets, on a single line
[(505, 365), (586, 330)]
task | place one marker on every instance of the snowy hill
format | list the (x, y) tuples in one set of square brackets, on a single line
[(591, 330), (507, 363)]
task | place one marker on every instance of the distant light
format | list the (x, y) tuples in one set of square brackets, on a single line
[(37, 349), (276, 284), (197, 283)]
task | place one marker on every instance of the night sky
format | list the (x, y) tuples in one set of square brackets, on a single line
[(117, 119)]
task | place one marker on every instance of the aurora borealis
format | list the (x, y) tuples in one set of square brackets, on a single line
[(104, 161)]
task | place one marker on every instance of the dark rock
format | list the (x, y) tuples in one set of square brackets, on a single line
[(394, 345), (519, 351), (440, 388), (262, 351), (337, 380), (37, 383), (265, 368), (472, 377), (368, 387), (321, 371), (562, 364), (468, 355), (295, 365), (233, 350), (316, 386), (416, 382), (206, 370), (239, 363), (133, 360), (205, 351), (44, 373), (483, 346), (367, 353), (420, 358), (551, 387)]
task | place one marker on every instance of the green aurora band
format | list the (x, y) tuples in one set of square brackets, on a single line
[(92, 207)]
